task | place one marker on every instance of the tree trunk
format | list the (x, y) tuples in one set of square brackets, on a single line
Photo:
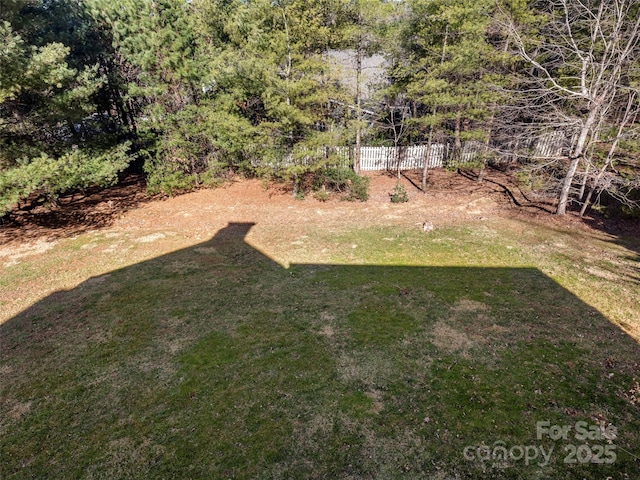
[(587, 200), (612, 151), (583, 183), (457, 143), (427, 160), (486, 150), (356, 166), (563, 199)]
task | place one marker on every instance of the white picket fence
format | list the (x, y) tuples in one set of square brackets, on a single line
[(413, 157), (409, 158), (380, 158), (550, 145)]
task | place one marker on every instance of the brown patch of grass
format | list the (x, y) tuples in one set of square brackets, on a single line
[(126, 458), (376, 397), (396, 456), (327, 331), (452, 340), (35, 247), (17, 410), (465, 305), (327, 317), (369, 368)]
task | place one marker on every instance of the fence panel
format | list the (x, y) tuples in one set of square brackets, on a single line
[(550, 145), (470, 151), (437, 155), (413, 157), (410, 157), (375, 158)]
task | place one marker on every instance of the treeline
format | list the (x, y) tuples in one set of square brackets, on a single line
[(193, 89)]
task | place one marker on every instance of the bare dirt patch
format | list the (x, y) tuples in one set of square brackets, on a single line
[(26, 249), (327, 331), (376, 398), (450, 198), (466, 305), (18, 410)]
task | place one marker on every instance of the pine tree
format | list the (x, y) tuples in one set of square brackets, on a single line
[(49, 90), (450, 65)]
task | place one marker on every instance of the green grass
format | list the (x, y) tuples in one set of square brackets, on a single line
[(216, 362)]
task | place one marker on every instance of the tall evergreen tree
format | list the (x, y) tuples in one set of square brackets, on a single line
[(363, 32), (450, 64), (49, 143)]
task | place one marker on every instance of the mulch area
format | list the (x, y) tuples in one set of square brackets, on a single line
[(449, 195)]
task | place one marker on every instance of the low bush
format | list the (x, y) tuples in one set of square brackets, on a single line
[(341, 180), (166, 179), (399, 194), (321, 195)]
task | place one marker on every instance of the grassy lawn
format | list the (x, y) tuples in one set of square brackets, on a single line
[(399, 355)]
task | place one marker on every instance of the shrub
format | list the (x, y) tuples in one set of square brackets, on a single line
[(214, 176), (166, 178), (49, 177), (321, 195), (399, 194), (359, 189), (335, 179), (342, 180)]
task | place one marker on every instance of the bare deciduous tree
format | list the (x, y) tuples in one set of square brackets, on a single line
[(580, 60)]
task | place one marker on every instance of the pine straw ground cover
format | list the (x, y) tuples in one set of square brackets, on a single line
[(302, 351)]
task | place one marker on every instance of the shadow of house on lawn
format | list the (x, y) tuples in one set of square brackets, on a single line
[(216, 362)]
